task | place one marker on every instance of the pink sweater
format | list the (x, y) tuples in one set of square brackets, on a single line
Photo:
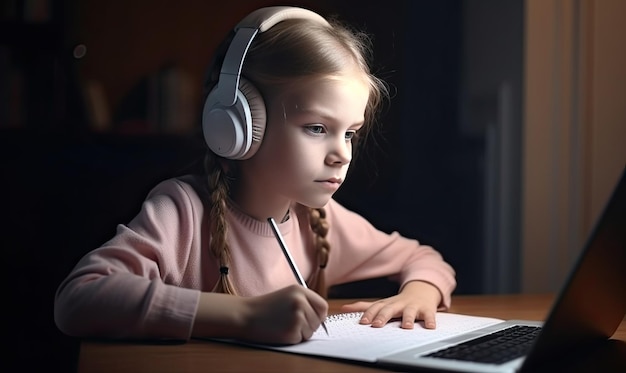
[(146, 281)]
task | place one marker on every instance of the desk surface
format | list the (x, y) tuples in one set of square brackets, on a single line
[(205, 356)]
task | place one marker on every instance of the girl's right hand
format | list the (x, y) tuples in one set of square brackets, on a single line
[(286, 316)]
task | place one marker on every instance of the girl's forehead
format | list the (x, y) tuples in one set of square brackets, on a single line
[(350, 79), (343, 97)]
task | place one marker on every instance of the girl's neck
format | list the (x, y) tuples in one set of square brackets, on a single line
[(261, 210)]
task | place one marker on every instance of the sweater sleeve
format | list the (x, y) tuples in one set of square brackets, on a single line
[(360, 251), (129, 287)]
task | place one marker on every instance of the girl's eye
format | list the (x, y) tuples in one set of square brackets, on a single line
[(350, 135), (315, 129)]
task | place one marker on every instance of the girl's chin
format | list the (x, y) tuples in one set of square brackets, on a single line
[(317, 203)]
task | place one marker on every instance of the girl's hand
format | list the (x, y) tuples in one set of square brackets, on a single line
[(417, 300), (287, 316)]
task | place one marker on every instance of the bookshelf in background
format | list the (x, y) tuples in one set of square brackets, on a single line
[(163, 101)]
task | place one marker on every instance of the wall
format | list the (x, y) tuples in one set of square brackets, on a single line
[(575, 126)]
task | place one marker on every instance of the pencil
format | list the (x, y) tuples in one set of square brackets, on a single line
[(292, 263)]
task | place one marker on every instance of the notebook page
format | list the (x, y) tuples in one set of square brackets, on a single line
[(350, 340)]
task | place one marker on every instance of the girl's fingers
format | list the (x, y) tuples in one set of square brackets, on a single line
[(379, 313), (409, 315), (429, 319), (315, 313), (370, 315), (370, 310)]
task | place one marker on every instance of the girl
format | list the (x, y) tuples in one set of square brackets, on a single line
[(201, 260)]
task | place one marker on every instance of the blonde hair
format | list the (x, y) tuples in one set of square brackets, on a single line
[(292, 49)]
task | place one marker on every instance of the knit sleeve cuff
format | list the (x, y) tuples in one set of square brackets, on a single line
[(171, 313)]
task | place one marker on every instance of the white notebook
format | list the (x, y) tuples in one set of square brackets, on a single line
[(350, 340)]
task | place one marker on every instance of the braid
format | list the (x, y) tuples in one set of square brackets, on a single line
[(319, 225), (218, 186)]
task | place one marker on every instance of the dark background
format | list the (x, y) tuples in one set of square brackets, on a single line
[(66, 185)]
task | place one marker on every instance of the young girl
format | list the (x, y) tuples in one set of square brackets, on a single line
[(201, 260)]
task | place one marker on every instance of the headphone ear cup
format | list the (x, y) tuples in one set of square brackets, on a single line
[(234, 132), (258, 115)]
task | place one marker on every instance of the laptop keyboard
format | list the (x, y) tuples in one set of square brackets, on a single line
[(495, 348)]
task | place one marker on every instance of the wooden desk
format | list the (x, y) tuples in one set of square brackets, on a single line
[(206, 356)]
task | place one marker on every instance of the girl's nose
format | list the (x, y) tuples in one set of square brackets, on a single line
[(341, 153)]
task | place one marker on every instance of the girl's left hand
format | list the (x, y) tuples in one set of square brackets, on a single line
[(418, 300)]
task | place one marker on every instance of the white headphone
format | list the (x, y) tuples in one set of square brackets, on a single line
[(234, 116)]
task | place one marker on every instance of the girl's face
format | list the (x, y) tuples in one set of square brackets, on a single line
[(307, 147)]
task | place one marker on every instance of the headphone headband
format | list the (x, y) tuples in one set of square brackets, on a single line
[(264, 18), (258, 21)]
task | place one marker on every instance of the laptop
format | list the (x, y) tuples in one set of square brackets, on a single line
[(586, 313)]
